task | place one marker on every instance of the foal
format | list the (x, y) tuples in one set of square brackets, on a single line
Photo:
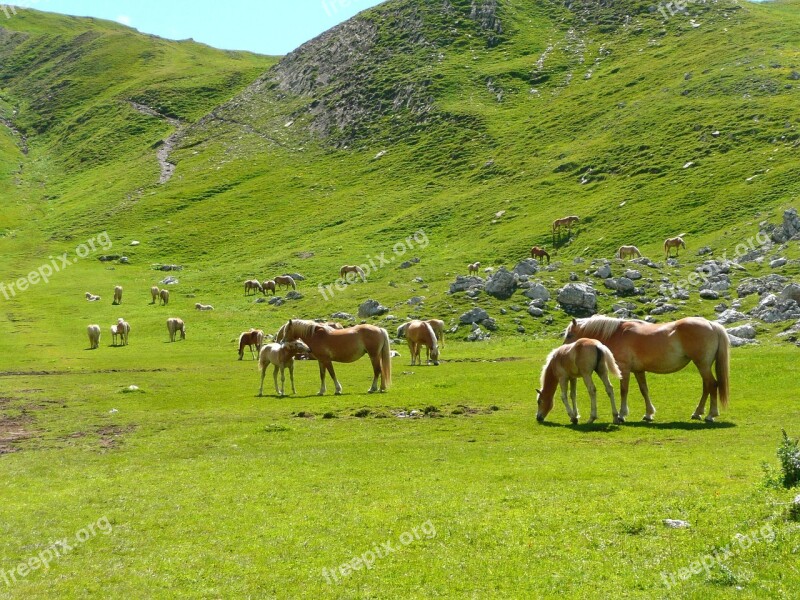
[(282, 356)]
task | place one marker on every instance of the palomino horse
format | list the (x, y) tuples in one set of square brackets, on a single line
[(199, 306), (90, 297), (164, 295), (174, 325), (252, 284), (540, 253), (117, 295), (628, 252), (154, 292), (269, 284), (94, 336), (473, 268), (418, 334), (114, 335), (343, 345), (282, 356), (676, 242), (436, 324), (254, 337), (564, 365), (567, 222), (123, 329), (352, 269), (641, 347), (286, 280)]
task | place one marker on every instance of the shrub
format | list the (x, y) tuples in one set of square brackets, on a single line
[(789, 457)]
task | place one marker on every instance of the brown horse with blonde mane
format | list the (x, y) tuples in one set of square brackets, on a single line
[(640, 347), (252, 284), (628, 252), (352, 269), (254, 337), (418, 334), (269, 284), (473, 268), (330, 345), (567, 222), (676, 242), (540, 253), (286, 280), (564, 365)]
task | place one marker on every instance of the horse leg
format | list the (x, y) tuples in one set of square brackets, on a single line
[(573, 392), (563, 385), (610, 392), (376, 372), (709, 389), (263, 373), (283, 379), (623, 395), (336, 385), (411, 351), (587, 379), (291, 375), (650, 410), (321, 378)]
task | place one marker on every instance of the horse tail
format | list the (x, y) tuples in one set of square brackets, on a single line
[(722, 365), (294, 285), (432, 333), (386, 359), (608, 359)]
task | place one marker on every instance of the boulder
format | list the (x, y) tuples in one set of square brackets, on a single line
[(789, 229), (778, 262), (730, 316), (623, 285), (529, 266), (535, 311), (415, 300), (477, 334), (761, 285), (463, 283), (633, 274), (405, 264), (502, 284), (276, 301), (476, 315), (371, 308), (773, 309), (490, 324), (603, 272), (746, 331), (293, 295), (342, 316), (737, 342), (791, 292), (663, 309), (578, 299), (537, 291), (296, 276), (708, 294)]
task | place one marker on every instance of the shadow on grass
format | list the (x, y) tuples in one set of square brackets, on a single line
[(611, 427)]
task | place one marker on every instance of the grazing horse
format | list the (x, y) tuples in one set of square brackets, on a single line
[(676, 242), (117, 295), (252, 284), (286, 280), (352, 269), (540, 253), (436, 324), (254, 337), (473, 268), (154, 292), (628, 252), (269, 284), (164, 295), (564, 365), (174, 325), (343, 345), (640, 347), (418, 334), (567, 222), (123, 329), (91, 297), (282, 356), (199, 306), (94, 336)]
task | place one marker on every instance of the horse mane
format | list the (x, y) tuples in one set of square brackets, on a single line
[(304, 327), (599, 326), (546, 366), (435, 342)]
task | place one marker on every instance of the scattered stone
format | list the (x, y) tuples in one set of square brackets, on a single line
[(633, 274), (502, 284), (773, 309), (708, 294), (418, 280), (169, 268), (463, 283), (169, 280), (573, 277), (260, 300), (124, 260), (296, 276), (529, 266), (603, 272), (520, 329), (791, 292), (673, 262), (535, 311), (537, 291), (622, 285), (135, 243), (342, 316), (645, 261), (789, 229), (472, 293), (746, 331), (577, 260), (490, 324), (676, 523), (371, 308), (721, 307), (293, 295), (730, 316), (737, 342), (108, 257), (663, 309), (276, 301), (477, 334), (405, 264), (761, 285), (415, 300), (704, 250), (778, 262), (475, 315), (578, 299)]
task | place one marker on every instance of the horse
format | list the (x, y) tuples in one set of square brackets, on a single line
[(94, 336), (418, 334), (254, 337), (164, 295), (352, 269), (269, 284), (252, 284), (154, 292), (539, 253), (174, 325), (565, 364), (628, 252), (286, 280), (282, 356), (91, 297), (117, 295), (123, 329), (114, 335), (676, 242), (199, 306), (343, 345), (436, 324), (564, 222), (640, 347), (473, 268)]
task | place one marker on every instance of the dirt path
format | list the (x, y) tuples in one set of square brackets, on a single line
[(168, 145)]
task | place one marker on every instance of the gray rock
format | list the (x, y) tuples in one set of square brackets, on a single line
[(490, 324), (789, 228), (501, 285), (730, 316), (746, 331), (465, 282), (578, 299), (477, 335), (709, 294), (704, 250), (405, 264), (342, 315), (721, 307), (124, 260), (603, 272), (633, 274), (260, 300), (529, 266), (573, 277), (371, 308), (476, 315), (276, 301), (515, 308), (760, 285), (673, 262), (537, 291), (622, 285), (791, 292), (774, 264), (296, 276), (646, 262), (737, 342), (293, 295), (773, 309), (535, 311), (577, 260), (169, 280), (418, 280), (472, 293), (663, 309), (415, 300)]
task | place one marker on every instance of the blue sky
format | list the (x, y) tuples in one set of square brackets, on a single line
[(264, 26)]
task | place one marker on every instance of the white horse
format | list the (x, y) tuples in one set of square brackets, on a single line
[(174, 325), (91, 297), (628, 252), (282, 356), (123, 329), (114, 335), (94, 336), (154, 291), (199, 306), (117, 295)]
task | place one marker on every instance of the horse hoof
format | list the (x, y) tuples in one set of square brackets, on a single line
[(697, 417), (591, 420), (709, 419), (647, 418), (574, 421), (619, 420)]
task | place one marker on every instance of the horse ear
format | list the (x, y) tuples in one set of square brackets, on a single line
[(574, 322), (538, 391)]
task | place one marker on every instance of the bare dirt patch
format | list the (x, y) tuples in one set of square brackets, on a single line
[(111, 436)]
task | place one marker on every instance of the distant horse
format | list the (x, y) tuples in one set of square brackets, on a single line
[(91, 297), (269, 284), (625, 252), (473, 268), (252, 284), (343, 345), (114, 335), (117, 295), (154, 292), (174, 325), (418, 334), (436, 324), (286, 280), (567, 222), (123, 329), (539, 253), (164, 295), (254, 337), (640, 347), (94, 336), (676, 242), (352, 269), (564, 365), (282, 356), (199, 306)]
